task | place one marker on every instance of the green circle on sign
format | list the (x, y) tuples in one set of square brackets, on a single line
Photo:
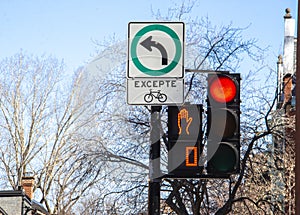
[(135, 41)]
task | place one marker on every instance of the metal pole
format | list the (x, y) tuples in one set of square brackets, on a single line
[(297, 140), (154, 163)]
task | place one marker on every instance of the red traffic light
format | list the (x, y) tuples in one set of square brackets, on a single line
[(222, 89), (223, 124)]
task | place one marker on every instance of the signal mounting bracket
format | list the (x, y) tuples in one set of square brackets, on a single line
[(207, 71)]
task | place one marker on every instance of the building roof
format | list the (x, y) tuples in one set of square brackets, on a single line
[(34, 204), (39, 207)]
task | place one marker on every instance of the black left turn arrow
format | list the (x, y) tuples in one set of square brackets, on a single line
[(148, 43)]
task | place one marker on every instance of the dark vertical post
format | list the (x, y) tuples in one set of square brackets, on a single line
[(154, 163), (297, 140)]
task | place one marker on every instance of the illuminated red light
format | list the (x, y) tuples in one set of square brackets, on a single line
[(222, 89)]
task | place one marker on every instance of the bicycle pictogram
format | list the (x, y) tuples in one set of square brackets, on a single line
[(161, 97)]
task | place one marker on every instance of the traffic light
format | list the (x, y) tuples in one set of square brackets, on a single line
[(223, 124), (185, 140)]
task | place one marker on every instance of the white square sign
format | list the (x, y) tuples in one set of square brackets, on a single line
[(155, 50)]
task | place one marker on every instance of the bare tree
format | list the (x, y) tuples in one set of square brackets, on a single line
[(44, 124)]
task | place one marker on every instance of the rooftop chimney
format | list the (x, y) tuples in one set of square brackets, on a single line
[(286, 63), (28, 184), (289, 38)]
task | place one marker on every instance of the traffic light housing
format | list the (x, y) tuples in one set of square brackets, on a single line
[(223, 124), (185, 140)]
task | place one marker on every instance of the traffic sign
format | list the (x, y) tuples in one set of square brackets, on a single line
[(155, 49), (153, 91)]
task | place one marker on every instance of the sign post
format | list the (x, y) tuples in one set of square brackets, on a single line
[(155, 76), (154, 163)]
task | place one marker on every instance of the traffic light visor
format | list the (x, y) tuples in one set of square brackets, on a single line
[(222, 89)]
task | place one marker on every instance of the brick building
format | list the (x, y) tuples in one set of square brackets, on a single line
[(284, 141)]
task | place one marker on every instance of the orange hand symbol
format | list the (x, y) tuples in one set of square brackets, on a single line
[(184, 121)]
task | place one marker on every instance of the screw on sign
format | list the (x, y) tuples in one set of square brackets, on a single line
[(223, 120)]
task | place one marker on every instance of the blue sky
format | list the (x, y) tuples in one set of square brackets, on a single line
[(66, 28)]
